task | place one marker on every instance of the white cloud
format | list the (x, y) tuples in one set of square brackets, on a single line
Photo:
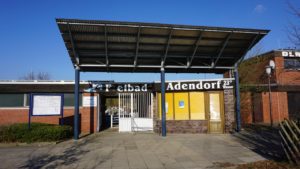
[(259, 8)]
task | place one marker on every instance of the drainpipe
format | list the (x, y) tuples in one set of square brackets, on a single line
[(237, 98)]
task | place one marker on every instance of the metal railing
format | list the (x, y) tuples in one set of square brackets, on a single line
[(290, 134)]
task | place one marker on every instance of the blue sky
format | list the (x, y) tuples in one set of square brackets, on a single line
[(30, 39)]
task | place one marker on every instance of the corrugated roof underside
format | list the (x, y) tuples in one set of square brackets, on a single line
[(122, 43)]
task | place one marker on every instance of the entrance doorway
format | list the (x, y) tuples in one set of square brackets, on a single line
[(216, 114), (135, 112)]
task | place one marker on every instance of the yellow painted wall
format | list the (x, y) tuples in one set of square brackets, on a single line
[(181, 113), (197, 105), (169, 106)]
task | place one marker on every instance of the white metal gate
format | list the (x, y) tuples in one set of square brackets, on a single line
[(135, 112)]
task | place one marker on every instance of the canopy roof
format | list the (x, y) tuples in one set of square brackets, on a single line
[(113, 46)]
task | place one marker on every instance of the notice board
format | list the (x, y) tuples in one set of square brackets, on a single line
[(46, 104)]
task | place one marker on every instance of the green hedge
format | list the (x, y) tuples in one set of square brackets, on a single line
[(38, 132)]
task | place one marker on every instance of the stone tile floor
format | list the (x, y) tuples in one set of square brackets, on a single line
[(112, 150)]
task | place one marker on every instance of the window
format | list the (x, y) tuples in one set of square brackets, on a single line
[(169, 106), (197, 106), (27, 99), (12, 100), (181, 101), (292, 63), (184, 105), (69, 99), (23, 100), (111, 102)]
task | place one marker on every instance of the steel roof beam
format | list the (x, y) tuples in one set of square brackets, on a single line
[(248, 48), (189, 63), (167, 48), (222, 49), (137, 46), (84, 42), (174, 36), (155, 66), (73, 46), (158, 26), (106, 48), (153, 48), (96, 55), (146, 57)]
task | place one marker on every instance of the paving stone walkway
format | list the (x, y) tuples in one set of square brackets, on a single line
[(112, 150)]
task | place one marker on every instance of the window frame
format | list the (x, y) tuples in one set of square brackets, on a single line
[(26, 101), (287, 62)]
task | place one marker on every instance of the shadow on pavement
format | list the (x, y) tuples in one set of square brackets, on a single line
[(69, 156), (263, 140)]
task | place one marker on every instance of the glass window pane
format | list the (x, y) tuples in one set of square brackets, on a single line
[(69, 99), (214, 106), (11, 100), (291, 63), (27, 100), (197, 105), (181, 101), (111, 102), (169, 105)]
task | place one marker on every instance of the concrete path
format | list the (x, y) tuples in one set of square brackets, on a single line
[(111, 150)]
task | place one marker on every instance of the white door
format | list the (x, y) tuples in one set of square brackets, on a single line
[(135, 112)]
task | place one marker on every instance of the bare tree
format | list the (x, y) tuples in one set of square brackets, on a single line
[(294, 27), (36, 76), (29, 76), (43, 76)]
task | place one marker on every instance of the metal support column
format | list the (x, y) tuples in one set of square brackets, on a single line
[(270, 100), (163, 105), (237, 98), (76, 108)]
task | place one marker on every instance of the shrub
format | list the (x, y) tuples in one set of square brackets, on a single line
[(38, 132)]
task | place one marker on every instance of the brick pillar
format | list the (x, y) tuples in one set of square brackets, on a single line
[(89, 116), (229, 111)]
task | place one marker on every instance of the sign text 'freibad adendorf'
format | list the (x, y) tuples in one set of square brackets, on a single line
[(200, 85), (122, 87)]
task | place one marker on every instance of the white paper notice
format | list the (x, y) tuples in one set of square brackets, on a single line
[(89, 101), (46, 105)]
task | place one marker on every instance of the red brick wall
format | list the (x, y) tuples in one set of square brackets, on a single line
[(279, 106), (257, 108), (183, 126), (252, 71), (88, 117), (285, 77), (259, 105), (246, 107)]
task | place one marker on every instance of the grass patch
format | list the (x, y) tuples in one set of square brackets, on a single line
[(39, 132)]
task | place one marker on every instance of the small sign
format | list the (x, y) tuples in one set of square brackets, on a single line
[(46, 105), (181, 104), (89, 101)]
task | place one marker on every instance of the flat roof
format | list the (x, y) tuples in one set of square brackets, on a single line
[(115, 46)]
